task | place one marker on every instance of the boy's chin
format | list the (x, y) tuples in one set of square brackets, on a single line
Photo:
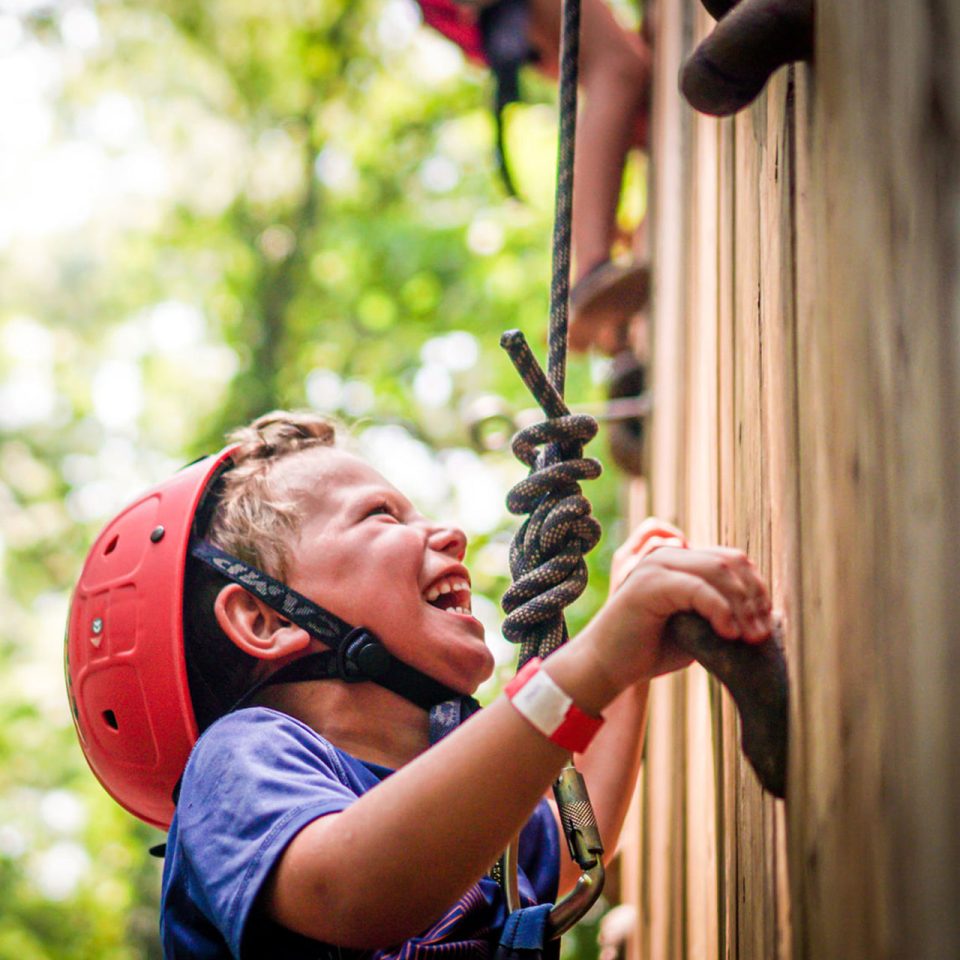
[(472, 671)]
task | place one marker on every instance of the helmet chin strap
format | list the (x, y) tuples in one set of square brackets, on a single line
[(356, 654)]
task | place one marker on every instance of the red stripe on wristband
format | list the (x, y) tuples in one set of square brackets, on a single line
[(538, 698)]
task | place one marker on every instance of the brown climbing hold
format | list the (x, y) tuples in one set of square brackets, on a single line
[(756, 37), (756, 676)]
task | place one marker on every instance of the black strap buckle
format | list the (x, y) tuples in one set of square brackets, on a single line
[(361, 656)]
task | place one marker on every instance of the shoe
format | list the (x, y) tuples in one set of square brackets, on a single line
[(602, 302)]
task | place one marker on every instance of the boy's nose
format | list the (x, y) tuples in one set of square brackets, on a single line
[(451, 540)]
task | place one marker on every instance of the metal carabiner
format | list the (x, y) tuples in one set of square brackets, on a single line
[(585, 846)]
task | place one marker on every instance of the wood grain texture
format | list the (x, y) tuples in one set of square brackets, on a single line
[(806, 368)]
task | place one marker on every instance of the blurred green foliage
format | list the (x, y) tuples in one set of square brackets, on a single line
[(223, 208)]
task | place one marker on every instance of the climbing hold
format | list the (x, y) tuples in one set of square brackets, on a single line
[(719, 8), (730, 67), (756, 676), (626, 434)]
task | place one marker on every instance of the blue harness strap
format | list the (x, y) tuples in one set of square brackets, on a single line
[(524, 935)]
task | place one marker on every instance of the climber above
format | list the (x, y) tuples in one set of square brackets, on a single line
[(615, 74), (332, 799)]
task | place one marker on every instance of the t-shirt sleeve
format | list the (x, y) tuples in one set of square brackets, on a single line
[(253, 782)]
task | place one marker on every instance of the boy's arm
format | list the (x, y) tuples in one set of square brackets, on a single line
[(611, 763), (389, 865)]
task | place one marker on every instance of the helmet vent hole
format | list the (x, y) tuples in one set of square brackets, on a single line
[(110, 547), (110, 718)]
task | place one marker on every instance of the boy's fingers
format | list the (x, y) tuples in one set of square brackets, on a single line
[(651, 527), (655, 524), (734, 578), (694, 593), (647, 536), (625, 563), (658, 540), (748, 572)]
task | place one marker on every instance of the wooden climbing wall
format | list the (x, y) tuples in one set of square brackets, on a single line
[(806, 371)]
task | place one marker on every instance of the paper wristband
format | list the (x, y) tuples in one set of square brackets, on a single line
[(542, 703)]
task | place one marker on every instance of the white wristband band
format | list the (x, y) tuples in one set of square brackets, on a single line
[(544, 705)]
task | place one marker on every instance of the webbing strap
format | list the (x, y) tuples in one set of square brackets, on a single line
[(293, 606), (356, 654), (524, 934)]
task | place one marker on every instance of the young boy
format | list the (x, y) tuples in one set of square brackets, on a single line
[(314, 815)]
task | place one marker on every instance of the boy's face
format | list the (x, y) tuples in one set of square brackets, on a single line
[(366, 555)]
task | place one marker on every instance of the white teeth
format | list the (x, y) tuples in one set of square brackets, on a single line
[(448, 585), (461, 610)]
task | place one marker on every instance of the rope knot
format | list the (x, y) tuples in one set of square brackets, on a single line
[(546, 556)]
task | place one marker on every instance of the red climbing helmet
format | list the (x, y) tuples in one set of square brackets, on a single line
[(124, 653)]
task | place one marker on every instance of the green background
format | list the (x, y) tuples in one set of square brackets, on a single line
[(208, 210)]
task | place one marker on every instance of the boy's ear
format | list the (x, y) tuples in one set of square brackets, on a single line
[(255, 627)]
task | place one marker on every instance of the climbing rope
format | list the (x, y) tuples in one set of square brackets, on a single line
[(546, 556)]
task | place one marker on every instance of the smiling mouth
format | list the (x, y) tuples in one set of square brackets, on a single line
[(451, 594)]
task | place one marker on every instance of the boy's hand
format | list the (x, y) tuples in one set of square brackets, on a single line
[(643, 540), (654, 575)]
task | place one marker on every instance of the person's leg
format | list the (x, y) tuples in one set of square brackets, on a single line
[(614, 83)]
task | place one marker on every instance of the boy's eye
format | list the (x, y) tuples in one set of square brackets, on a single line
[(381, 509)]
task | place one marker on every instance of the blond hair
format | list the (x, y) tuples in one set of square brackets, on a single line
[(256, 519)]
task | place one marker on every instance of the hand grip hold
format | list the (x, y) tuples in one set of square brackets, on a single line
[(756, 676)]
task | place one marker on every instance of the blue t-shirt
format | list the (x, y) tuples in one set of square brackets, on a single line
[(256, 778)]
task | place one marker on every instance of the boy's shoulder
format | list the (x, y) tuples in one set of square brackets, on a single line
[(255, 730), (258, 722), (263, 749), (262, 735)]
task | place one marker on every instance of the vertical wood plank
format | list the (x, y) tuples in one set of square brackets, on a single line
[(727, 493), (878, 492), (699, 518), (808, 405), (662, 904)]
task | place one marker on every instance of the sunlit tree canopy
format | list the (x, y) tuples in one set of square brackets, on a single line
[(209, 210)]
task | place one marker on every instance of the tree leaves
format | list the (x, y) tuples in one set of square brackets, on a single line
[(217, 209)]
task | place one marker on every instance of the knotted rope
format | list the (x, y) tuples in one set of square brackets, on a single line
[(546, 556)]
